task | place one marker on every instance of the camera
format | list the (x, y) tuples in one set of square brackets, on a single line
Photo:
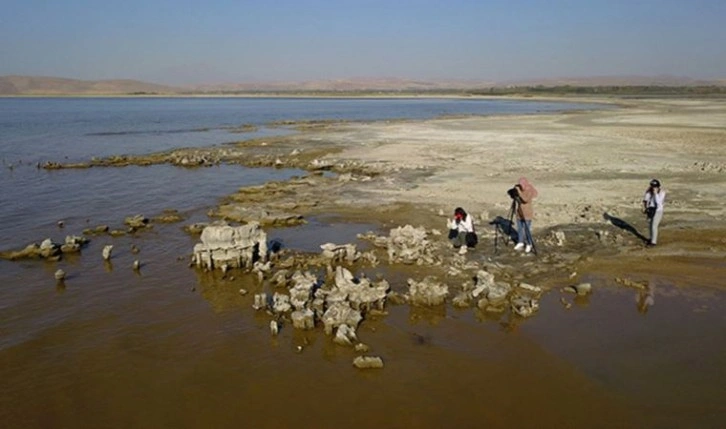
[(513, 193)]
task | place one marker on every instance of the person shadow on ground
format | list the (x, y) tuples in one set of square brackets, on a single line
[(625, 226), (505, 227)]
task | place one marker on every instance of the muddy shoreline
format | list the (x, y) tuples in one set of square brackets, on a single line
[(591, 169)]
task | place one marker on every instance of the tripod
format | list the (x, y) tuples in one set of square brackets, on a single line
[(514, 208)]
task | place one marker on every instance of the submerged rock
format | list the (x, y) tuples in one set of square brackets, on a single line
[(427, 292), (345, 335), (303, 319), (244, 213), (169, 216), (524, 307), (137, 222), (368, 362), (581, 289)]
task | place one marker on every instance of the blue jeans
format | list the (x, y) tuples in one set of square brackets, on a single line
[(522, 227)]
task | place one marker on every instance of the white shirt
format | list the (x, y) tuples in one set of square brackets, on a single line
[(655, 199), (466, 225)]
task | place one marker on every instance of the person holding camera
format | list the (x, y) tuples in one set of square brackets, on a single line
[(653, 201), (461, 231), (524, 194)]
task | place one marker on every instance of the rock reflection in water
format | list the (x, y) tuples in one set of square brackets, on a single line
[(431, 316), (645, 298), (221, 290)]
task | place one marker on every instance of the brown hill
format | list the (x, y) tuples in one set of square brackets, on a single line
[(663, 80), (34, 85), (343, 85), (410, 85), (38, 85)]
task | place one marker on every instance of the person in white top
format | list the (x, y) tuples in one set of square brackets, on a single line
[(653, 202), (461, 230)]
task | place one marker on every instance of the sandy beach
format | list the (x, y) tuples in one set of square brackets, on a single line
[(604, 159)]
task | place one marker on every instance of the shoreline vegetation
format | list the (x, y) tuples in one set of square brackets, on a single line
[(608, 86)]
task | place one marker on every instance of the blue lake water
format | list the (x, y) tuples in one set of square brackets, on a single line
[(36, 130), (41, 129)]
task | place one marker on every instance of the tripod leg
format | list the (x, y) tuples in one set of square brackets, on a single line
[(511, 220), (496, 238)]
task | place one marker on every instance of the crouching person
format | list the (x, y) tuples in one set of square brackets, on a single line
[(461, 231)]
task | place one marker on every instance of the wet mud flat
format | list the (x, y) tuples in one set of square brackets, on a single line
[(610, 358), (174, 345)]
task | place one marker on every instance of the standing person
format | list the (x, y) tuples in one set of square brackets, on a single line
[(461, 230), (653, 202), (525, 212)]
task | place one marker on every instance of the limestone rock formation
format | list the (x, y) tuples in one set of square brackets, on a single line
[(231, 246)]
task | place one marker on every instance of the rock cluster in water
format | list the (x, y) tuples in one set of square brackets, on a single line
[(320, 290), (47, 249)]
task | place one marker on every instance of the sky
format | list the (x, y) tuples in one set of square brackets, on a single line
[(194, 42)]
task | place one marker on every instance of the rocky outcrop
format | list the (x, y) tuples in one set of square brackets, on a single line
[(409, 245), (244, 213), (427, 292), (47, 249), (224, 246), (137, 222)]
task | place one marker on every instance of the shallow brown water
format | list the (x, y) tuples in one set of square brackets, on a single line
[(173, 347)]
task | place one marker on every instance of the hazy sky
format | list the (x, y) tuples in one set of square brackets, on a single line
[(183, 41)]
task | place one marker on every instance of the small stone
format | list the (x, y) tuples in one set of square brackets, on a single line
[(530, 288), (274, 328), (583, 289), (60, 275), (137, 264), (361, 348), (368, 362), (106, 252)]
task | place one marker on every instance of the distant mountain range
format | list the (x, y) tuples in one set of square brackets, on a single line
[(37, 85)]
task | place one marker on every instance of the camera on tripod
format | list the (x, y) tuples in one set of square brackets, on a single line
[(514, 193)]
